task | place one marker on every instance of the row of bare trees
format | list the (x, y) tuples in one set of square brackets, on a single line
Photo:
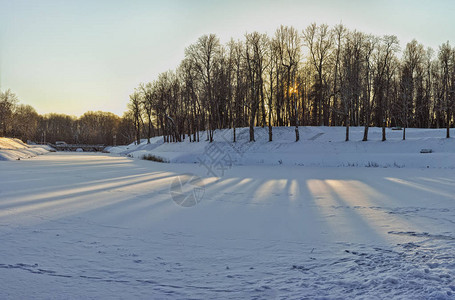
[(23, 122), (320, 76)]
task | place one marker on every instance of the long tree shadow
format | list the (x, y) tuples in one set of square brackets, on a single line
[(63, 196)]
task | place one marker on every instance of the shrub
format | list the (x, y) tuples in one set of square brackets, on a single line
[(372, 164), (154, 158)]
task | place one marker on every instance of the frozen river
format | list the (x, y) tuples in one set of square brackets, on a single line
[(80, 226)]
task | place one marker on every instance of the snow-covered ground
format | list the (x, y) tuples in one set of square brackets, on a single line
[(15, 149), (101, 226), (318, 147)]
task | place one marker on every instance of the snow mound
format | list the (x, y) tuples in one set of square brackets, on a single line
[(318, 147), (15, 149)]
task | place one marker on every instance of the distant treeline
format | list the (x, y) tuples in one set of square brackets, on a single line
[(23, 122), (322, 75)]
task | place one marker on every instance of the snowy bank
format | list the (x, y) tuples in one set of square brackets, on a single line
[(15, 149), (318, 147)]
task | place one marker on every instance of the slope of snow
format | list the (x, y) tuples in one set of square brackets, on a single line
[(318, 147), (98, 226), (15, 149)]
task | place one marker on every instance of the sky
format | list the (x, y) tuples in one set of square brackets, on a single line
[(76, 56)]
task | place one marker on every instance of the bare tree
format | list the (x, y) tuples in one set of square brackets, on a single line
[(385, 57), (202, 55), (289, 49), (255, 54), (147, 102), (350, 79), (445, 59), (273, 60), (369, 46), (126, 131), (8, 100), (339, 34), (136, 108), (319, 41), (24, 122), (412, 61)]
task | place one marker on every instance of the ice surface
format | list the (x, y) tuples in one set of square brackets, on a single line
[(91, 225)]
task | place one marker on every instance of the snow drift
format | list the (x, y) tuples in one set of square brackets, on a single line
[(15, 149)]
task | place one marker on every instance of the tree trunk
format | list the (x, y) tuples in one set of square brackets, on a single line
[(252, 129), (320, 119), (253, 115), (347, 127), (365, 133), (270, 106), (383, 130), (262, 104), (270, 125), (138, 134), (270, 132), (149, 129), (297, 135)]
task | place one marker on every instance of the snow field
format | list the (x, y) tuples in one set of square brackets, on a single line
[(84, 225), (318, 147)]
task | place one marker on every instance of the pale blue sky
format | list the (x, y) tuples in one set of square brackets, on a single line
[(74, 56)]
